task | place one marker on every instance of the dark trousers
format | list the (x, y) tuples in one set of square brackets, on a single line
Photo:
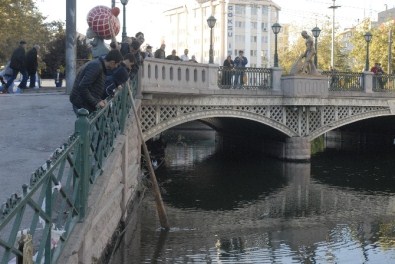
[(14, 75), (58, 83), (32, 77)]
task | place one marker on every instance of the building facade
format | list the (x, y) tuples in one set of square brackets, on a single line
[(240, 25)]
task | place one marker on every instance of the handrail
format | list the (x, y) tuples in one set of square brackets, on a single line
[(46, 211), (252, 78), (384, 82), (344, 81)]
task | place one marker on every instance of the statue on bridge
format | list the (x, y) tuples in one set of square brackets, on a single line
[(307, 65)]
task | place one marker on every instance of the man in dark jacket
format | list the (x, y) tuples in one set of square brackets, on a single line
[(17, 64), (31, 64), (160, 53), (88, 86)]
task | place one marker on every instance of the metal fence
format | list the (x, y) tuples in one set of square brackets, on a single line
[(384, 82), (244, 78), (37, 222), (344, 81)]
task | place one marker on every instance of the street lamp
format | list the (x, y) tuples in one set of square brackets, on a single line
[(333, 7), (276, 29), (124, 35), (368, 38), (316, 33), (211, 23)]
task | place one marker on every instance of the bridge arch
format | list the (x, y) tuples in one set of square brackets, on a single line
[(215, 113), (349, 120)]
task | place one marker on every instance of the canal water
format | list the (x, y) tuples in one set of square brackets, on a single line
[(240, 207)]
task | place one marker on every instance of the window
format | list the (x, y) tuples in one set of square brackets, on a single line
[(253, 25), (253, 39), (264, 26), (264, 10), (254, 10), (239, 24), (240, 10)]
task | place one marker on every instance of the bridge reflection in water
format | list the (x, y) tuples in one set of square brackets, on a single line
[(242, 208)]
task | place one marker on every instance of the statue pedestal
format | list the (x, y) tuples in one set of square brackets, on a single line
[(305, 86)]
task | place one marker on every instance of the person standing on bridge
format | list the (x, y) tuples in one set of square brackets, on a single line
[(88, 88), (227, 72), (160, 53), (184, 57), (240, 63)]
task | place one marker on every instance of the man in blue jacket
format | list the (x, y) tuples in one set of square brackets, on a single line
[(88, 88), (240, 63)]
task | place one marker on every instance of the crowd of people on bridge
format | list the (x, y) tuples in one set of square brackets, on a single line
[(233, 73), (99, 78)]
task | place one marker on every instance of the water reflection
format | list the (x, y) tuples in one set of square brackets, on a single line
[(248, 209)]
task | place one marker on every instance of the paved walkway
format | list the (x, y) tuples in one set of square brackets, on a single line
[(33, 124)]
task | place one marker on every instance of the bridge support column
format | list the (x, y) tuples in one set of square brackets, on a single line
[(297, 149), (276, 79), (368, 82)]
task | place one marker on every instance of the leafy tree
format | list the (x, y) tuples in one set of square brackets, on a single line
[(55, 54), (378, 47), (20, 20)]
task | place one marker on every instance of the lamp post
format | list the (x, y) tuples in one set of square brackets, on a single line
[(124, 35), (333, 7), (368, 38), (316, 33), (276, 29), (211, 23)]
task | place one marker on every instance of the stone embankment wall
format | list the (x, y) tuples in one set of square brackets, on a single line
[(108, 199)]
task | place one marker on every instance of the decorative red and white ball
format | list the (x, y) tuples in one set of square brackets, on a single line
[(104, 21)]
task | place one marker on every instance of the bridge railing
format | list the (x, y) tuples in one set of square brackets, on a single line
[(384, 83), (246, 78), (159, 73), (40, 219), (344, 81)]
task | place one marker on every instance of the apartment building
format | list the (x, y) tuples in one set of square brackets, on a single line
[(240, 25)]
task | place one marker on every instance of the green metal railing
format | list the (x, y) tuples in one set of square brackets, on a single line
[(56, 197)]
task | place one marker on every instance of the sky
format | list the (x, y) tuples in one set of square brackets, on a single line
[(142, 15)]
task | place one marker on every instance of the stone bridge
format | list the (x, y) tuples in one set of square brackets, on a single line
[(300, 108)]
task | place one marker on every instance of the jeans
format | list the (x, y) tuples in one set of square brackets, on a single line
[(15, 74)]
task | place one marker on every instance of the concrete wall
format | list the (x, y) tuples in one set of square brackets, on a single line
[(107, 200)]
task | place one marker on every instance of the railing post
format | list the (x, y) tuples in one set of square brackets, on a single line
[(82, 128), (368, 82), (276, 79), (124, 110), (212, 76), (139, 76), (48, 211)]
